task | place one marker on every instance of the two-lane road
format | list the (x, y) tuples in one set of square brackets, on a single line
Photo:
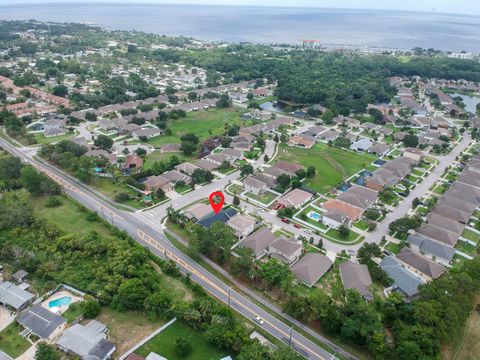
[(153, 238)]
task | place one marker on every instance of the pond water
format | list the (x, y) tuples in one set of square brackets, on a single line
[(272, 106), (470, 101)]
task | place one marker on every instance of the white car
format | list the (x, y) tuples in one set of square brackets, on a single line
[(258, 319)]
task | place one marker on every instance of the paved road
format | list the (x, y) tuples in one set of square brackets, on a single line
[(154, 238), (419, 191)]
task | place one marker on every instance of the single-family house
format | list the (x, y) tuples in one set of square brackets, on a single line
[(14, 297), (155, 182), (254, 185), (187, 168), (285, 250), (420, 265), (242, 225), (223, 216), (311, 267), (362, 144), (352, 212), (334, 219), (133, 162), (436, 251), (329, 135), (198, 211), (42, 322), (357, 277), (87, 341), (405, 281), (379, 149), (258, 242), (413, 153), (437, 234), (295, 198), (304, 141), (148, 133)]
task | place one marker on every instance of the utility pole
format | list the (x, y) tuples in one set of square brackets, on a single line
[(229, 289), (290, 337)]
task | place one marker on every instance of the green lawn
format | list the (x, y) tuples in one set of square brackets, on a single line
[(393, 247), (68, 216), (470, 235), (11, 342), (362, 225), (159, 156), (74, 311), (335, 234), (466, 248), (333, 165), (44, 140), (203, 123), (265, 198), (164, 344)]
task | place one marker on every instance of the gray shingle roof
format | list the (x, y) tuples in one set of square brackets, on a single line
[(420, 263), (40, 321), (14, 296), (356, 276), (432, 247), (404, 280), (311, 267), (258, 241)]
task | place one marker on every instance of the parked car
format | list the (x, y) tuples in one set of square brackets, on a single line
[(286, 221), (297, 226)]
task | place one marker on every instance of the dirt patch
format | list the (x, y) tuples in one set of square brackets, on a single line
[(127, 328)]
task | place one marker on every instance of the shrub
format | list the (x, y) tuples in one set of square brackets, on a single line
[(53, 201)]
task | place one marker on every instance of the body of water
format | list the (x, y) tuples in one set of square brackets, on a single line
[(469, 101), (384, 29)]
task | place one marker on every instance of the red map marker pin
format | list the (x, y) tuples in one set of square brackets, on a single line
[(216, 201)]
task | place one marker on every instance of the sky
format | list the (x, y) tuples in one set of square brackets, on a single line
[(470, 7)]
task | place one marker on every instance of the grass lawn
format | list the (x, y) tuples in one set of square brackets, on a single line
[(235, 189), (466, 248), (331, 282), (440, 189), (265, 198), (333, 165), (362, 225), (422, 210), (110, 189), (395, 153), (182, 189), (393, 248), (203, 123), (335, 234), (470, 235), (164, 344), (74, 311), (417, 172), (40, 139), (68, 216), (11, 342), (159, 156)]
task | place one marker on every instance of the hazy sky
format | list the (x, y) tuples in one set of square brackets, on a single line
[(471, 7)]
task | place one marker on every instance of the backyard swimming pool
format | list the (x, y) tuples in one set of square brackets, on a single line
[(63, 301), (314, 215)]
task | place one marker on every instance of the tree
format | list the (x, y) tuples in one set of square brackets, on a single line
[(404, 224), (60, 90), (311, 172), (46, 352), (246, 169), (131, 295), (283, 181), (158, 304), (236, 200), (410, 140), (188, 148), (90, 116), (367, 251), (37, 183), (343, 230), (91, 309), (182, 347), (10, 167), (273, 272), (103, 142), (224, 102)]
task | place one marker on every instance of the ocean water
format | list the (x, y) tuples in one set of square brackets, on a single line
[(384, 29)]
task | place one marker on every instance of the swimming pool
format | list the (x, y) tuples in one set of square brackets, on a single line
[(314, 215), (63, 301)]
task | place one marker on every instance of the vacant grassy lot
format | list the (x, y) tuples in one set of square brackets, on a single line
[(164, 344), (44, 140), (159, 156), (11, 342), (204, 124), (127, 328), (265, 199), (333, 165)]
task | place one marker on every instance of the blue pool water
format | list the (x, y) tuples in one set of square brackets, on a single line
[(64, 301), (314, 216)]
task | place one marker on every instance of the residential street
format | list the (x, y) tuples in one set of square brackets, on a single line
[(420, 190)]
